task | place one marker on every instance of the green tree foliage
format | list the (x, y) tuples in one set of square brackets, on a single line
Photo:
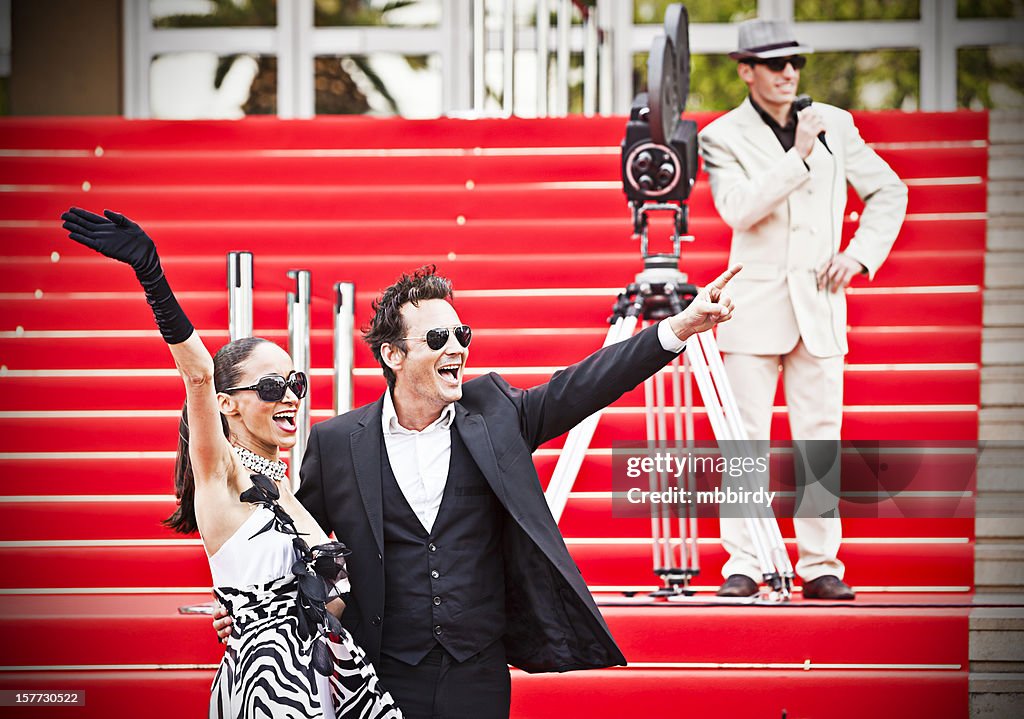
[(825, 10), (863, 81), (982, 73), (653, 11), (856, 81), (227, 13), (353, 12), (989, 8)]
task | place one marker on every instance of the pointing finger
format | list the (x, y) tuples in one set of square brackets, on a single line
[(723, 279)]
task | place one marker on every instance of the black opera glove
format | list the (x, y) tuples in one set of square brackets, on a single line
[(119, 238)]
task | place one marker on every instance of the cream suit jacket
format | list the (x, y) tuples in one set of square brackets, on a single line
[(787, 222)]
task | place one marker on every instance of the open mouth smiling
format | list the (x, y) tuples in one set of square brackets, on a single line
[(285, 420), (450, 371)]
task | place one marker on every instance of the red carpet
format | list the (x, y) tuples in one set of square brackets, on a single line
[(528, 219)]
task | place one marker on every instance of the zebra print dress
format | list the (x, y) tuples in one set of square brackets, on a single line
[(286, 657)]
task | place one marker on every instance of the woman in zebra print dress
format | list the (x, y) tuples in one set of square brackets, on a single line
[(283, 581)]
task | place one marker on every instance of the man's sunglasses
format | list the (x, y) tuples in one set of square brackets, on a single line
[(778, 64), (272, 388), (438, 337)]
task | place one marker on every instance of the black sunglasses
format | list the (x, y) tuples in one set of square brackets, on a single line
[(438, 337), (272, 388), (778, 64)]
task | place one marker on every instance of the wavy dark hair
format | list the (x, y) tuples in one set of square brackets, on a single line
[(227, 370), (387, 325)]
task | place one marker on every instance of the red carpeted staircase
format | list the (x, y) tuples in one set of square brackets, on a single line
[(529, 220)]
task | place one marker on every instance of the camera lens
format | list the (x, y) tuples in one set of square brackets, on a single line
[(665, 173), (643, 162), (646, 182)]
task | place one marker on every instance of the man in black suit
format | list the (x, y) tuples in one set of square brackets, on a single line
[(457, 567)]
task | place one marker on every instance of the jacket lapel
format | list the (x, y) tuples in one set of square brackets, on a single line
[(473, 430), (365, 445), (758, 135)]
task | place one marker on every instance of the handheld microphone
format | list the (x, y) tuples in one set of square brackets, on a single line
[(804, 101)]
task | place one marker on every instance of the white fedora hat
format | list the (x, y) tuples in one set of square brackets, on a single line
[(767, 38)]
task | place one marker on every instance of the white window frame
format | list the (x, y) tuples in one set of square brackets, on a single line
[(295, 42), (937, 35)]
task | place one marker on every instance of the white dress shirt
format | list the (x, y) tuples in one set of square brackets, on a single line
[(420, 460)]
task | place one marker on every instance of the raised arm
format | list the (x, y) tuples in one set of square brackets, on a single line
[(117, 237), (592, 384)]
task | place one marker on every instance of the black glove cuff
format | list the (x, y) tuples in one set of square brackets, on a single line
[(174, 325)]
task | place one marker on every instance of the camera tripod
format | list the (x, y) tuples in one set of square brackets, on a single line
[(659, 291)]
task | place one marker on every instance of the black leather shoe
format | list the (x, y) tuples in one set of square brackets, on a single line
[(738, 585), (827, 587)]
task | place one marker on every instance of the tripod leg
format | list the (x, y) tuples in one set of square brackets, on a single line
[(578, 439), (663, 510), (680, 556), (687, 560), (693, 556), (649, 425), (668, 549), (761, 523), (724, 433)]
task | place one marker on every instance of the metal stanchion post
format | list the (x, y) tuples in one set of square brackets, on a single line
[(298, 348), (344, 352), (239, 295)]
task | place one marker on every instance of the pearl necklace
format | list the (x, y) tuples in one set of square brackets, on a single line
[(275, 470)]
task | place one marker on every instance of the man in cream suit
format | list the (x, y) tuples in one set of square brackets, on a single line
[(783, 192)]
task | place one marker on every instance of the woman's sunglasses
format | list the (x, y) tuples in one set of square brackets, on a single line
[(272, 388), (778, 64), (438, 337)]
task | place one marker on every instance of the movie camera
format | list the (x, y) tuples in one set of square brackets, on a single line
[(659, 152)]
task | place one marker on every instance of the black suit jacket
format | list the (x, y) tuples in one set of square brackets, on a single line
[(553, 622)]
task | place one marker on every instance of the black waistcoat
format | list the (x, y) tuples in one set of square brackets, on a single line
[(446, 585)]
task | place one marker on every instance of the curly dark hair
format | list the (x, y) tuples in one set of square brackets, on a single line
[(387, 325)]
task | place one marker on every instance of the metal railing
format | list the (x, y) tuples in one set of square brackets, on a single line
[(240, 323), (240, 284), (552, 84), (344, 353), (298, 347)]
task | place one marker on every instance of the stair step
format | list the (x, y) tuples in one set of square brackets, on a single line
[(137, 349), (104, 630), (861, 387), (284, 202), (494, 271), (598, 694), (960, 311), (837, 694), (109, 432), (430, 238), (325, 132), (145, 474), (604, 562), (253, 167), (101, 517)]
